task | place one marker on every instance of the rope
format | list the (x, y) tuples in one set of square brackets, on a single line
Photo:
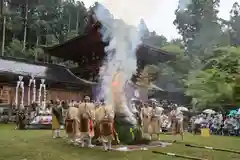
[(204, 147), (212, 148), (178, 155)]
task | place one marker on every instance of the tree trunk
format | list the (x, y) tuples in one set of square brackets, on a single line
[(37, 41), (77, 23), (49, 58), (3, 35), (36, 54), (69, 23), (25, 26)]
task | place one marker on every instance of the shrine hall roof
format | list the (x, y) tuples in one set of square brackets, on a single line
[(89, 43), (51, 72)]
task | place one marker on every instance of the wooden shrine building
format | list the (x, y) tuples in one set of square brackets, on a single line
[(60, 82)]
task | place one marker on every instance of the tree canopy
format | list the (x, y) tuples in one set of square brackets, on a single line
[(29, 25), (212, 44), (207, 63)]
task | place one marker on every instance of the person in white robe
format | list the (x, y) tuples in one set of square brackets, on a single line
[(155, 120), (176, 117)]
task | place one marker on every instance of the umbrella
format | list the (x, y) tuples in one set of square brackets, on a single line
[(233, 112), (209, 111), (160, 108), (182, 109)]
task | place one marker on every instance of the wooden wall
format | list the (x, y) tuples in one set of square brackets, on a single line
[(53, 94), (7, 94)]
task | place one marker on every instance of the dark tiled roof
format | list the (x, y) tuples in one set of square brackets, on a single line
[(87, 43), (39, 70)]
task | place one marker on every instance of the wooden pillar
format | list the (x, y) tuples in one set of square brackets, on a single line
[(9, 96)]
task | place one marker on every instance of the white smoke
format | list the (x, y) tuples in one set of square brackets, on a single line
[(124, 38), (183, 4), (131, 11), (121, 51), (121, 56)]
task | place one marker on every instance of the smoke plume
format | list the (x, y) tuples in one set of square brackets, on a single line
[(121, 61), (183, 4)]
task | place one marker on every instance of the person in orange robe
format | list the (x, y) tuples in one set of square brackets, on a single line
[(106, 131), (91, 128), (86, 122)]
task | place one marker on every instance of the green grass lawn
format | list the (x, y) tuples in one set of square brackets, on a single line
[(38, 145)]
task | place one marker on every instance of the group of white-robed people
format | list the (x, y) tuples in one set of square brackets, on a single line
[(82, 118), (154, 117)]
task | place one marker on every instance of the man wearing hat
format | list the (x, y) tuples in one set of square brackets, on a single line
[(176, 118), (145, 117), (72, 123), (86, 111), (56, 118), (107, 128), (155, 118), (21, 117)]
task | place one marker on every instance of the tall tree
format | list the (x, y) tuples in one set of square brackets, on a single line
[(47, 23), (25, 24), (173, 73), (198, 25), (143, 29), (4, 8), (14, 23), (235, 24)]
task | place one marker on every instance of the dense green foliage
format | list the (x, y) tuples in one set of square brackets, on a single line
[(213, 45), (45, 23), (207, 57)]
